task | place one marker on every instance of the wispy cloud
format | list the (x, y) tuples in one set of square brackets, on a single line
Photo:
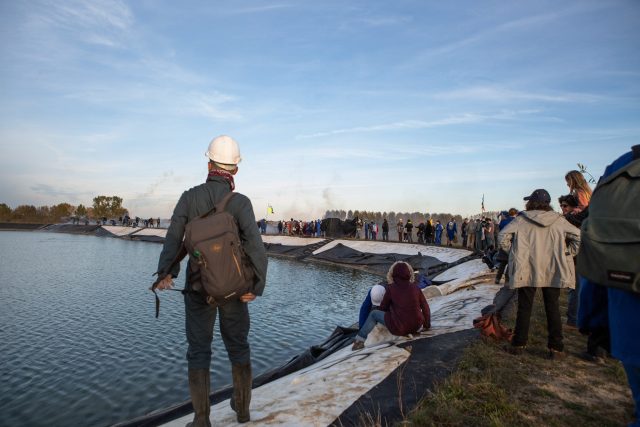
[(518, 24), (71, 195), (259, 9), (502, 94), (422, 124), (95, 22), (384, 21)]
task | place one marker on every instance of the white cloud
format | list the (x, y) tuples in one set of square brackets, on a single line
[(464, 118), (502, 94)]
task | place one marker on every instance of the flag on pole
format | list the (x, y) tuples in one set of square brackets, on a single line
[(269, 210), (483, 203)]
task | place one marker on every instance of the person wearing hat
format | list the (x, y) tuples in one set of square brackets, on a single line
[(371, 302), (224, 156), (403, 309), (540, 244)]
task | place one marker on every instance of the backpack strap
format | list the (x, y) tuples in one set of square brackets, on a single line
[(221, 205)]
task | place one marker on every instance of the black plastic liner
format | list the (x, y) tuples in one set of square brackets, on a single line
[(336, 228), (341, 337), (431, 361), (378, 263), (72, 228), (289, 251), (147, 238)]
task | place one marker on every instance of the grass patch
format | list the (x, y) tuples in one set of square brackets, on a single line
[(493, 388)]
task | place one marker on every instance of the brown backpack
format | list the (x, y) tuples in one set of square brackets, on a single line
[(219, 267)]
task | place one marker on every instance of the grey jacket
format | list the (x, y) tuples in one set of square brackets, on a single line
[(198, 201), (541, 246)]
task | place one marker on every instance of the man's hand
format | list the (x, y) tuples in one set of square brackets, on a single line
[(166, 283), (248, 297)]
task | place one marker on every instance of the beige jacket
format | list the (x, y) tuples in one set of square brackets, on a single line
[(541, 246)]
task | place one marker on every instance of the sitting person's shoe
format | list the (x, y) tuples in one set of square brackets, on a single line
[(357, 345), (554, 354), (516, 350)]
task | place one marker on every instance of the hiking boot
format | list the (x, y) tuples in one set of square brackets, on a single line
[(592, 358), (199, 388), (241, 397), (554, 354), (516, 350), (357, 345)]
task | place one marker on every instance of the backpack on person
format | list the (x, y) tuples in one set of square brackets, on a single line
[(218, 265), (610, 237), (218, 268)]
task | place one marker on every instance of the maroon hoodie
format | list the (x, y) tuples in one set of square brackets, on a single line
[(405, 305)]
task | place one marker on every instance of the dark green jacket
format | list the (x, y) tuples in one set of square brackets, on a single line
[(198, 201)]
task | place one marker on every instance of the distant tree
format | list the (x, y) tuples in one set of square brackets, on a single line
[(43, 213), (60, 211), (24, 213), (81, 210), (110, 207), (5, 212), (350, 214)]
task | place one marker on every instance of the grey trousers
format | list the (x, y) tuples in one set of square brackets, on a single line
[(200, 318)]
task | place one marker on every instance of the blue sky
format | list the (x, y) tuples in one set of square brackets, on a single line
[(376, 105)]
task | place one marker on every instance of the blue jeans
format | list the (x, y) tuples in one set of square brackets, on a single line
[(375, 316)]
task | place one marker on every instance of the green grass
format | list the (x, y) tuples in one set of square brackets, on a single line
[(493, 388)]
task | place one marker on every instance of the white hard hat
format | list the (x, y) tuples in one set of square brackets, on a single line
[(224, 149)]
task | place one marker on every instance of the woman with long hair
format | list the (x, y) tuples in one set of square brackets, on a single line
[(578, 188)]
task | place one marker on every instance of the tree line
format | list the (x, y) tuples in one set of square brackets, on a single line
[(393, 217), (103, 206)]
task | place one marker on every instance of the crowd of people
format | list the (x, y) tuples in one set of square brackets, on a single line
[(293, 227), (539, 248)]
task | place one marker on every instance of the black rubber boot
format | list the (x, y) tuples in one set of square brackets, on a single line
[(199, 388), (241, 391)]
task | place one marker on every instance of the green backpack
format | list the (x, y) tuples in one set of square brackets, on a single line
[(610, 240)]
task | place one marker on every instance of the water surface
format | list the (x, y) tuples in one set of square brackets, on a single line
[(81, 345)]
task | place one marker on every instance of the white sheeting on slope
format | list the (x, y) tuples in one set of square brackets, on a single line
[(159, 232), (458, 276), (119, 231), (317, 395), (291, 241), (443, 253)]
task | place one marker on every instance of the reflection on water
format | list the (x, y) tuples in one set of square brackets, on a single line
[(81, 345)]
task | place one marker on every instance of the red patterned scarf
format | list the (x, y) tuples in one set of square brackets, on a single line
[(223, 173)]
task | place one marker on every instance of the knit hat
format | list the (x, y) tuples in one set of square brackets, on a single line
[(377, 293)]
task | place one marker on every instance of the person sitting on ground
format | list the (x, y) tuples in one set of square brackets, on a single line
[(403, 310), (371, 302), (540, 244)]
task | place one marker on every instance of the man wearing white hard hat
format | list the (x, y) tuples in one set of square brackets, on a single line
[(224, 156)]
